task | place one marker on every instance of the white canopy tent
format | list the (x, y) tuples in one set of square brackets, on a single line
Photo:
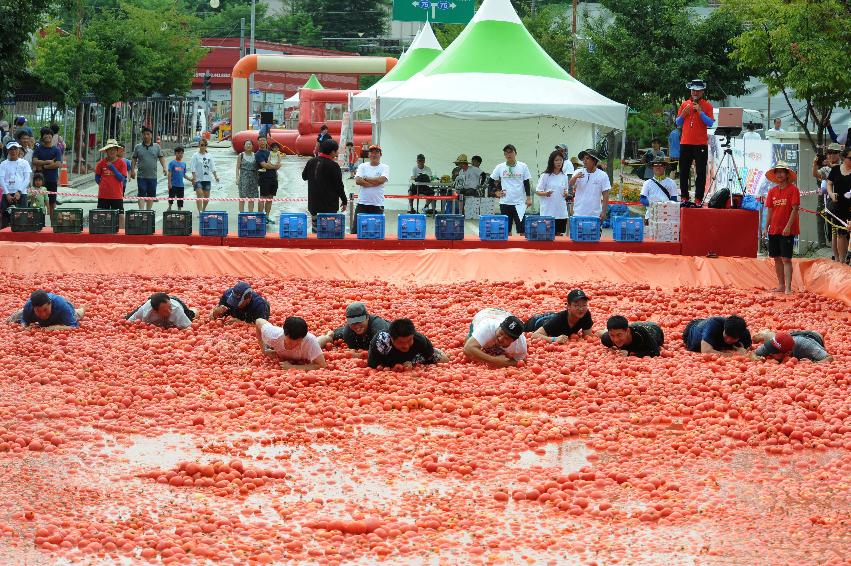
[(492, 86), (423, 50), (312, 83)]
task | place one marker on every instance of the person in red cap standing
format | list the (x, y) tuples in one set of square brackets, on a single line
[(800, 344), (694, 117), (783, 203)]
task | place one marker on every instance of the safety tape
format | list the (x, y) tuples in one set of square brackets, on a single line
[(221, 199)]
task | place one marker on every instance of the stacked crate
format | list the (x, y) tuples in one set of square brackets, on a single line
[(664, 221)]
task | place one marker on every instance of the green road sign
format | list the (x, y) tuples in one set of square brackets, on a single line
[(434, 11)]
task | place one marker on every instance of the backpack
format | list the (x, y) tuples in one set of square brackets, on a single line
[(720, 199)]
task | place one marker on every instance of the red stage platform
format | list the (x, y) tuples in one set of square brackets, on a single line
[(704, 231), (350, 242)]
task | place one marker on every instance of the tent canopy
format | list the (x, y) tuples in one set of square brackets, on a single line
[(312, 83), (423, 50)]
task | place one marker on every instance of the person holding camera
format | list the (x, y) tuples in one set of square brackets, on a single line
[(694, 117)]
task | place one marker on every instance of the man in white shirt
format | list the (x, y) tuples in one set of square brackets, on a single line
[(293, 346), (777, 129), (751, 134), (15, 177), (419, 186), (496, 337), (371, 178), (163, 311), (658, 188), (591, 187), (467, 179), (511, 181)]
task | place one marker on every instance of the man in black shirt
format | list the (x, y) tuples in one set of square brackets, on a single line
[(640, 339), (402, 345), (359, 330), (325, 191), (558, 326), (243, 303)]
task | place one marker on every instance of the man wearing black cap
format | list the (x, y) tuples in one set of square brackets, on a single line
[(402, 345), (243, 303), (559, 326), (694, 117), (591, 187), (325, 190), (511, 180), (496, 337), (639, 339), (359, 330)]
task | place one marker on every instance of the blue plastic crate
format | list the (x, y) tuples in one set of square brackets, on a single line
[(370, 226), (293, 225), (614, 210), (213, 223), (330, 225), (252, 225), (411, 227), (493, 227), (449, 227), (584, 228), (628, 228), (539, 228)]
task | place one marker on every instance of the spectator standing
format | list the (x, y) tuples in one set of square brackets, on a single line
[(57, 139), (15, 176), (325, 190), (145, 157), (822, 164), (352, 157), (371, 178), (47, 160), (783, 203), (591, 187), (21, 125), (467, 180), (27, 144), (694, 117), (246, 177), (203, 169), (267, 177), (839, 192), (777, 129), (552, 192), (323, 135), (177, 172), (659, 188), (751, 133), (511, 180), (121, 151), (110, 174), (674, 142)]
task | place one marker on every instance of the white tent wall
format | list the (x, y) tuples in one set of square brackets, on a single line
[(441, 139)]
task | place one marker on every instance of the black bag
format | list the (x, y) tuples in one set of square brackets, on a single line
[(720, 199)]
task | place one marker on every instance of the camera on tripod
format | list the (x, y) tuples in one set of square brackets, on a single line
[(729, 124)]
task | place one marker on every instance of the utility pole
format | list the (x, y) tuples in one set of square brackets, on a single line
[(251, 79), (242, 38)]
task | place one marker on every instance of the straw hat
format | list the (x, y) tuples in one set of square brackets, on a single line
[(461, 159), (791, 176), (110, 143)]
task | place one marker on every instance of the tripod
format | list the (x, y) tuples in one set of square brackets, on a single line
[(727, 157)]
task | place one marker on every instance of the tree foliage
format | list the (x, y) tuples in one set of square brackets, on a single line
[(20, 20), (294, 27), (643, 53), (352, 19), (124, 53), (798, 48)]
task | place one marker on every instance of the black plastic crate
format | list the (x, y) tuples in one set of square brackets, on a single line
[(67, 221), (139, 222), (102, 221), (177, 223), (26, 219)]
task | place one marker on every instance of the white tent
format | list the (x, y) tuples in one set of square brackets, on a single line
[(492, 86), (423, 50), (312, 83)]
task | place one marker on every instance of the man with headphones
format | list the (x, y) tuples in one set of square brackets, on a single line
[(243, 303)]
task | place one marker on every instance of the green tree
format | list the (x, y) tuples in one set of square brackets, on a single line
[(643, 53), (800, 49), (21, 19)]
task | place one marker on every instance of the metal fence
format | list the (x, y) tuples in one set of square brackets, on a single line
[(86, 127)]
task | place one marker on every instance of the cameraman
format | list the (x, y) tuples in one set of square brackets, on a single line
[(694, 117)]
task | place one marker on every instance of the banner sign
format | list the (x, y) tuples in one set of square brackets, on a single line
[(434, 11), (752, 159)]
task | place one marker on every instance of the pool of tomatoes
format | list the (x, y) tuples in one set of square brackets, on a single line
[(125, 442)]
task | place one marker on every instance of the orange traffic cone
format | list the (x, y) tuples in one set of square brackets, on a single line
[(63, 175)]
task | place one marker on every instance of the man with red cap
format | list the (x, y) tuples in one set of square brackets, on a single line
[(800, 344)]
